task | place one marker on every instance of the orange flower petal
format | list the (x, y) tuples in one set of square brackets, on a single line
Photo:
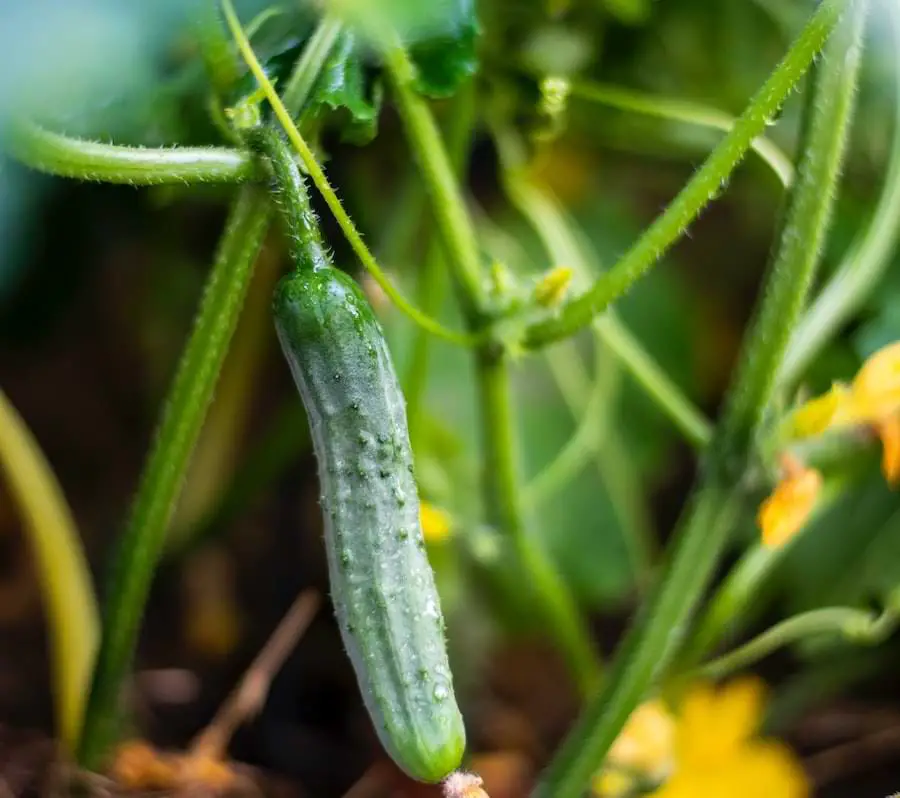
[(889, 432), (876, 388), (787, 509)]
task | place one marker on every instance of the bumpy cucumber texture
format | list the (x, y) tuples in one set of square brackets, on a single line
[(381, 582)]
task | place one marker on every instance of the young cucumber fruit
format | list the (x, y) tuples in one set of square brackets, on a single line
[(382, 584)]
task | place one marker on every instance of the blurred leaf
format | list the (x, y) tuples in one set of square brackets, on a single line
[(578, 527), (658, 311), (446, 57), (631, 12), (71, 604)]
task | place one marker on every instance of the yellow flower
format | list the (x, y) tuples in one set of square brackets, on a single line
[(709, 750), (788, 507), (817, 415), (436, 523), (872, 399), (644, 747), (876, 389)]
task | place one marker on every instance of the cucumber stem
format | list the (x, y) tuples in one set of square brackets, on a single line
[(291, 198)]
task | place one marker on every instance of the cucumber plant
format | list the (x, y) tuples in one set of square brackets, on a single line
[(382, 585)]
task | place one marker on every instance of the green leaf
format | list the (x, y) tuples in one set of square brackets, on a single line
[(629, 12), (578, 527), (447, 57), (345, 96), (441, 36)]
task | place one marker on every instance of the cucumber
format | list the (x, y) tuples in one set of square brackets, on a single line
[(382, 584)]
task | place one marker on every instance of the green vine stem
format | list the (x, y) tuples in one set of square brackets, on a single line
[(318, 177), (806, 221), (501, 478), (451, 216), (60, 155), (854, 625), (706, 184), (503, 500), (865, 262), (682, 111), (580, 394), (430, 289), (710, 516), (142, 541), (707, 522)]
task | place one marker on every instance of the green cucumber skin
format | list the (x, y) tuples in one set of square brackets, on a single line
[(382, 584)]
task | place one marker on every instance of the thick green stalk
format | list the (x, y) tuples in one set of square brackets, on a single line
[(503, 497), (502, 481), (868, 257), (453, 222), (703, 533), (654, 637), (706, 184), (804, 230), (134, 166), (141, 543), (430, 290)]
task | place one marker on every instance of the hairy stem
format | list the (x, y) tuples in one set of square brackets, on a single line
[(804, 229), (320, 179), (141, 543), (453, 222), (134, 166), (703, 533), (706, 184), (870, 254)]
